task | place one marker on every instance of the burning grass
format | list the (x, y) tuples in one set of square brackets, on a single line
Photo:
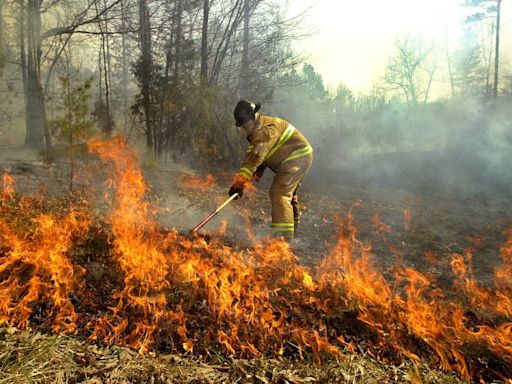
[(120, 280)]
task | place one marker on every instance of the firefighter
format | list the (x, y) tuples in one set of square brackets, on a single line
[(278, 145)]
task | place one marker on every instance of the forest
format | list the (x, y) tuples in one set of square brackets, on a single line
[(117, 137), (169, 73)]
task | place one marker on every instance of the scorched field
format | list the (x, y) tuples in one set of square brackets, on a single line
[(386, 283)]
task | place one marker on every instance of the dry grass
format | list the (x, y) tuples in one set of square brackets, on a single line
[(32, 357)]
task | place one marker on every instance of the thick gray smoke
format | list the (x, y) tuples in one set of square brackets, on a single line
[(463, 145)]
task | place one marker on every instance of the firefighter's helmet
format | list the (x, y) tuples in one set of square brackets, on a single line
[(245, 110)]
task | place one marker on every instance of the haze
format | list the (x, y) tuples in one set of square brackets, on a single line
[(353, 39)]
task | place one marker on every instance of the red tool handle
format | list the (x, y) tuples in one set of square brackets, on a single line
[(211, 215)]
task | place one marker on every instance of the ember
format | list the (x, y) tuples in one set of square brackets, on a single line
[(197, 183), (123, 280)]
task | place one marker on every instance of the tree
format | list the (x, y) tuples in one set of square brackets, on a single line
[(102, 106), (31, 39), (2, 39), (192, 61), (303, 96), (489, 9), (410, 70), (468, 69), (73, 127), (204, 42), (344, 102), (225, 25), (191, 85), (144, 69), (313, 83)]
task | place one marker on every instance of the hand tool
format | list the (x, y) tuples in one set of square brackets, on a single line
[(211, 215)]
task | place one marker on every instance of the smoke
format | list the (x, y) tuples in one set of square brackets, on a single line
[(18, 153), (463, 145)]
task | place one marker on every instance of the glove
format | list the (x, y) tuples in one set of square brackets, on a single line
[(236, 188), (258, 173)]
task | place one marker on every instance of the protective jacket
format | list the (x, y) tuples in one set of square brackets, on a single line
[(273, 142), (277, 144)]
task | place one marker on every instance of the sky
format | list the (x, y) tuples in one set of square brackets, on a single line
[(355, 38)]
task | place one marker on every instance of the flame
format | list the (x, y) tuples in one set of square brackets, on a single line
[(8, 184), (247, 184), (39, 268), (134, 246), (380, 227), (223, 227), (503, 274), (430, 257), (192, 183), (407, 216), (415, 306), (199, 296)]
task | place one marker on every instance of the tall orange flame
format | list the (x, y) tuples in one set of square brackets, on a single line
[(8, 183), (135, 247), (197, 296)]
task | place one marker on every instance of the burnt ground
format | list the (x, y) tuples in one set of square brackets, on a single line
[(402, 207), (414, 209)]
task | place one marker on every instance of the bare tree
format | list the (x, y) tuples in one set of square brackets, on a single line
[(469, 72), (226, 25), (102, 110), (409, 71), (145, 68), (489, 9), (204, 41), (2, 38), (244, 72), (31, 39), (497, 47)]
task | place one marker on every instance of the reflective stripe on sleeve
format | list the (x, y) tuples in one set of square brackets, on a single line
[(245, 172), (304, 151), (283, 139)]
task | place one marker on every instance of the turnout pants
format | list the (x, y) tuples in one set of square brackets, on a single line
[(283, 195)]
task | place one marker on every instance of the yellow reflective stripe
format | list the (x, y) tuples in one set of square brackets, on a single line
[(283, 139), (282, 225), (283, 229), (249, 149), (304, 151), (245, 172)]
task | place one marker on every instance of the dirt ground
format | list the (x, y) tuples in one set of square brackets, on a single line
[(408, 214), (414, 218), (411, 209)]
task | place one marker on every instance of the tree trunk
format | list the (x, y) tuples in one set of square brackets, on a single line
[(204, 42), (234, 19), (34, 100), (488, 63), (23, 53), (173, 127), (244, 72), (105, 52), (146, 66), (2, 39), (177, 41), (497, 54), (449, 67), (124, 81)]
